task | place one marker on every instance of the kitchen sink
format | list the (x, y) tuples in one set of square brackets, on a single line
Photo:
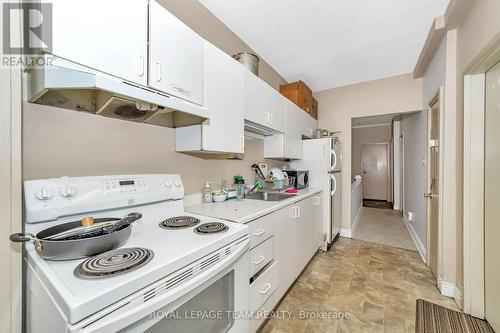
[(269, 196)]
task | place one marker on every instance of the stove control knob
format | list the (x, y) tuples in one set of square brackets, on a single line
[(177, 182), (44, 194), (168, 184), (67, 191)]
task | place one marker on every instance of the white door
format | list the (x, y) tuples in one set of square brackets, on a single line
[(284, 249), (293, 141), (492, 198), (432, 195), (263, 104), (223, 96), (108, 36), (308, 125), (176, 56), (335, 205), (375, 166), (304, 240)]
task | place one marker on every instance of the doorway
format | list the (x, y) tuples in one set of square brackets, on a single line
[(433, 181), (492, 198), (375, 169)]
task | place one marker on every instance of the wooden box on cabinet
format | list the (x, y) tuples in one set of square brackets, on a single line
[(314, 109), (299, 93)]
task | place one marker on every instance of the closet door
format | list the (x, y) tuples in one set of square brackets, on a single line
[(492, 198)]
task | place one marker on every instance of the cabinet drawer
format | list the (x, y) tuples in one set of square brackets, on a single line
[(261, 229), (263, 287), (261, 255)]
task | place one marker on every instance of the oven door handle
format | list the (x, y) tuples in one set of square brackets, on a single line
[(118, 320)]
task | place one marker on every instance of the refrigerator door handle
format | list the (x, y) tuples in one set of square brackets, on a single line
[(334, 160), (334, 182)]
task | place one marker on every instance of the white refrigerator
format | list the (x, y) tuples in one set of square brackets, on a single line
[(323, 159)]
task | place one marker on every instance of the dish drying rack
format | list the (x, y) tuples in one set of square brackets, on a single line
[(272, 184)]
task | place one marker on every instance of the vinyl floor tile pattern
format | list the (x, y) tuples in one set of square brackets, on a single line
[(384, 226), (374, 286)]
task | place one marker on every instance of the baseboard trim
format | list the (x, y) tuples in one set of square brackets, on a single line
[(356, 221), (347, 233), (418, 243), (451, 290), (458, 298)]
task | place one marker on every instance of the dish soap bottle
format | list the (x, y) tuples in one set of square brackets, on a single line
[(207, 193)]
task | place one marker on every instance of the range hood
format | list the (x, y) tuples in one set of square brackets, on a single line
[(257, 131), (71, 86)]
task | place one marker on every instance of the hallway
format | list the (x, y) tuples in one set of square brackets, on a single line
[(375, 285), (384, 226)]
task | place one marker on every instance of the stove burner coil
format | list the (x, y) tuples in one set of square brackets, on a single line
[(179, 222), (211, 228), (114, 262)]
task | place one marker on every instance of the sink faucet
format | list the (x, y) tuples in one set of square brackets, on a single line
[(256, 187)]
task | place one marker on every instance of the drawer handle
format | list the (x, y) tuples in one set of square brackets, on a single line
[(258, 262), (266, 289), (260, 232)]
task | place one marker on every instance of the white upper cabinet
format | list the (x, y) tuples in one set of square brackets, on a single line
[(175, 55), (263, 104), (223, 96), (308, 125), (288, 145), (108, 36)]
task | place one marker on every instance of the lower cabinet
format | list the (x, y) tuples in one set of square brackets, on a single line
[(296, 238)]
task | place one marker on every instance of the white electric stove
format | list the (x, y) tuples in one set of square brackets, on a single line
[(195, 279)]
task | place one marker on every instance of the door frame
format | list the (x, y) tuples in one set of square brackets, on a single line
[(438, 98), (473, 177), (11, 279), (388, 147)]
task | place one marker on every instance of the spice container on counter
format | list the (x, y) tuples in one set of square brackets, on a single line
[(207, 193)]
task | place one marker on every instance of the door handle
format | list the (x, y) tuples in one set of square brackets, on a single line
[(334, 190), (268, 287), (258, 262), (428, 195), (158, 73), (260, 232), (140, 67)]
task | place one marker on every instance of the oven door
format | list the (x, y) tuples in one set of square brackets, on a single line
[(216, 300)]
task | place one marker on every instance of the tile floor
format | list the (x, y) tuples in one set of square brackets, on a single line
[(377, 285), (384, 226)]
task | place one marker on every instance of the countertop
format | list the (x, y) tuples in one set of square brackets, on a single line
[(246, 210)]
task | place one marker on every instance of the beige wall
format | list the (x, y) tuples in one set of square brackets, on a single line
[(479, 27), (57, 142), (338, 106), (364, 135)]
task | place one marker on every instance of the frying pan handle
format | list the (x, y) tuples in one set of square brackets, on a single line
[(21, 237)]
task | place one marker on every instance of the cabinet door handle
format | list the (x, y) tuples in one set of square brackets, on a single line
[(266, 289), (298, 211), (271, 118), (258, 262), (260, 232), (158, 71), (140, 68)]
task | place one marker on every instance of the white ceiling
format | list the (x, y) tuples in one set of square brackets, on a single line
[(331, 43), (385, 119)]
